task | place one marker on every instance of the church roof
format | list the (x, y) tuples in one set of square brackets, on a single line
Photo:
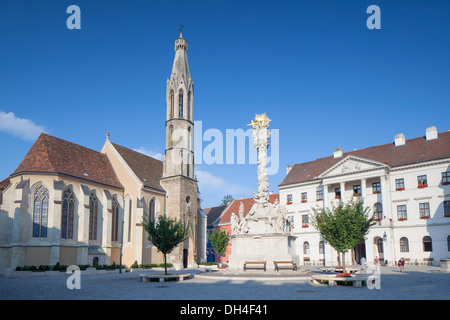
[(147, 169), (414, 150), (248, 203), (53, 155)]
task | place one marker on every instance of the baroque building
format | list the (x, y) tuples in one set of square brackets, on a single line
[(68, 204), (406, 184)]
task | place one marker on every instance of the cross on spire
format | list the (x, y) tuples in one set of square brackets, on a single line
[(181, 31)]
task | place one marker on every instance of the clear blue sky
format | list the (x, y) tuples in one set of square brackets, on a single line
[(321, 75)]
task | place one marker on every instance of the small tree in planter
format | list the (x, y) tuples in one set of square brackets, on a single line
[(343, 226), (219, 240), (165, 234)]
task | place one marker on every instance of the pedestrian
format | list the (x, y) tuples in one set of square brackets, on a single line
[(376, 261), (363, 263), (401, 264)]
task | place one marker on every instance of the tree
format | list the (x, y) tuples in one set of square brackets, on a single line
[(219, 240), (343, 226), (227, 199), (165, 234)]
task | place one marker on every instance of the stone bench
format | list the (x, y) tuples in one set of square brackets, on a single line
[(163, 277)]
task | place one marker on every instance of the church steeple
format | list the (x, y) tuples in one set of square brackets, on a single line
[(179, 125)]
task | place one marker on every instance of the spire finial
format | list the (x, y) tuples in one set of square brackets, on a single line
[(181, 31), (107, 136)]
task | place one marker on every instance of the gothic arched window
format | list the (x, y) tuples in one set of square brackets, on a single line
[(130, 215), (115, 220), (67, 214), (93, 217), (189, 106), (40, 212), (151, 210), (180, 104), (172, 104)]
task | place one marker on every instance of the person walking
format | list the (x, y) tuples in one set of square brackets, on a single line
[(363, 263), (401, 264), (376, 262)]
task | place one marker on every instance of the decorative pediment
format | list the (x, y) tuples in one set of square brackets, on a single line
[(350, 165)]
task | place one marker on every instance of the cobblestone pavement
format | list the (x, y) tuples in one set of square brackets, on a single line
[(416, 283)]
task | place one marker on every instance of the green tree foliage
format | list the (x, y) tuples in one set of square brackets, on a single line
[(343, 226), (219, 240), (165, 234)]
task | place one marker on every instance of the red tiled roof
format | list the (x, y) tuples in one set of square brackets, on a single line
[(53, 155), (413, 151), (4, 184), (147, 169), (248, 203)]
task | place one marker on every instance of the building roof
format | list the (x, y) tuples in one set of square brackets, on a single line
[(146, 168), (414, 150), (4, 184), (213, 213), (53, 155), (248, 203)]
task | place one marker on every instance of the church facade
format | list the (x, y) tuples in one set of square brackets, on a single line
[(68, 204)]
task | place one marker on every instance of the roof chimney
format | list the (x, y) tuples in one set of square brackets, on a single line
[(431, 133), (338, 152), (288, 169), (399, 139)]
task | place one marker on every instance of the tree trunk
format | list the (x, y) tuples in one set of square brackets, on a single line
[(343, 263), (165, 264)]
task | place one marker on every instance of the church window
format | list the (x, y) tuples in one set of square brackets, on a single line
[(180, 104), (67, 214), (130, 214), (151, 210), (115, 220), (189, 106), (172, 104), (40, 212), (93, 217)]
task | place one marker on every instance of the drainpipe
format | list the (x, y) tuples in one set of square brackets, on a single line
[(121, 238)]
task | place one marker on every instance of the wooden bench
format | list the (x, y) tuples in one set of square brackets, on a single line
[(285, 265), (255, 265)]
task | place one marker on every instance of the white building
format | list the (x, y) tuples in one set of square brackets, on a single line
[(406, 184)]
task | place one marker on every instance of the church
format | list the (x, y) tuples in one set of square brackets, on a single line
[(68, 204)]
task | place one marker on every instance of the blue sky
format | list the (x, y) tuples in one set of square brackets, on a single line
[(321, 75)]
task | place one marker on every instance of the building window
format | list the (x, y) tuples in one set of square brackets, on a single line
[(67, 214), (401, 212), (404, 244), (424, 209), (448, 243), (380, 245), (376, 187), (130, 215), (306, 247), (305, 223), (447, 208), (321, 247), (115, 220), (180, 104), (337, 193), (151, 210), (304, 196), (172, 104), (93, 217), (40, 212), (319, 195), (289, 199), (378, 211), (356, 190), (400, 184), (446, 177), (189, 106), (427, 244), (422, 181)]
